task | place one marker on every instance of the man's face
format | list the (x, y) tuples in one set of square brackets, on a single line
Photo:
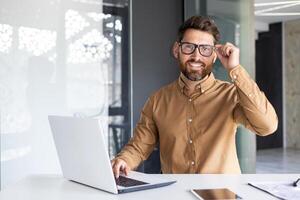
[(195, 66)]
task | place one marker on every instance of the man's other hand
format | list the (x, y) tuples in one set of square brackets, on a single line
[(228, 54), (119, 166)]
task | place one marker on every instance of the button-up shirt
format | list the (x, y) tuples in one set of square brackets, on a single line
[(196, 133)]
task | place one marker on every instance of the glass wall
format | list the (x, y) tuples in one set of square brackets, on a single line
[(66, 57)]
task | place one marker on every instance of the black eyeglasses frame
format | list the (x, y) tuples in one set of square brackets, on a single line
[(197, 46)]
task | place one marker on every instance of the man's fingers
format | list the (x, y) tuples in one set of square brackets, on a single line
[(228, 50), (126, 170), (218, 46), (228, 55), (220, 50), (116, 168), (225, 50), (120, 166)]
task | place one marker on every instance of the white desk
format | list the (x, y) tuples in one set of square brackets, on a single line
[(55, 187)]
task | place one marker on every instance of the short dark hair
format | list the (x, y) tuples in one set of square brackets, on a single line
[(201, 23)]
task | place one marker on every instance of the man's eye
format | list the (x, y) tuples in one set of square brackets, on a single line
[(189, 46), (205, 48)]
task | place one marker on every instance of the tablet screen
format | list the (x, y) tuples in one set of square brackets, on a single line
[(214, 194)]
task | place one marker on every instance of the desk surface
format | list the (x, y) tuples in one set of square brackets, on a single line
[(37, 187)]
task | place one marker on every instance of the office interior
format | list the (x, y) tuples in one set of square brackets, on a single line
[(103, 58)]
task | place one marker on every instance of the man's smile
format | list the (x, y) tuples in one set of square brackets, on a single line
[(196, 65)]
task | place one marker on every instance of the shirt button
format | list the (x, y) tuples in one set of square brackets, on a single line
[(250, 95), (190, 100), (191, 141), (190, 120), (202, 91), (192, 163)]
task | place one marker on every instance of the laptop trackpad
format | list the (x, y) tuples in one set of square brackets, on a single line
[(128, 182)]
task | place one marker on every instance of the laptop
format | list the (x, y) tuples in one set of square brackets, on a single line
[(83, 157)]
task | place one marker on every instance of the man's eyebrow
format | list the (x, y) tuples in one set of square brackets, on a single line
[(197, 43)]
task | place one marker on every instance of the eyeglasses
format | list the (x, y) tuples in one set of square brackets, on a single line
[(189, 48)]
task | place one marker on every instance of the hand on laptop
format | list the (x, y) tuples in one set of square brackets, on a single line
[(119, 166)]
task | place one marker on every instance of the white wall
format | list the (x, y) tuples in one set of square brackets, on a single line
[(53, 60)]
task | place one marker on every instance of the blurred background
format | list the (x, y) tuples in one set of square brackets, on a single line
[(103, 58)]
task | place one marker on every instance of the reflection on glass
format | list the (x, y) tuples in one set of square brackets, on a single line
[(75, 61), (36, 41), (116, 3), (92, 47), (17, 120), (98, 17), (5, 37), (74, 23), (12, 154), (118, 25)]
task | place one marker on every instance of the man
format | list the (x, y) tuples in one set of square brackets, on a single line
[(194, 119)]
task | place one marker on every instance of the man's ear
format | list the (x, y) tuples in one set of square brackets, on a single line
[(215, 57), (175, 49)]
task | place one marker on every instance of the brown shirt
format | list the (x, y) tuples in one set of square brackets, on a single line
[(196, 133)]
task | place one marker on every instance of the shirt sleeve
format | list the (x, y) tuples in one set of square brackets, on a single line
[(144, 140), (253, 109)]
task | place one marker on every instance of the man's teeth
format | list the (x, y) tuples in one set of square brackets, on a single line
[(196, 64)]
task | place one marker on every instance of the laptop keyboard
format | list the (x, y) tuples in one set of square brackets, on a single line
[(128, 182)]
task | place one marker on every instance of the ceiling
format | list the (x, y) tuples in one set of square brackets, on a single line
[(271, 11), (266, 11)]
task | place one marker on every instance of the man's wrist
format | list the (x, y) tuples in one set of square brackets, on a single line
[(230, 69), (233, 74)]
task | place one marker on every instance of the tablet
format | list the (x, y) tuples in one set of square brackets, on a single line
[(215, 194)]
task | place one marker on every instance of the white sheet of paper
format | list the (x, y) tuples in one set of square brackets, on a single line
[(281, 190)]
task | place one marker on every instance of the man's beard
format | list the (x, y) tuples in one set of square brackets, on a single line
[(195, 75)]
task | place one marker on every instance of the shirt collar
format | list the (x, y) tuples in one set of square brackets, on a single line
[(202, 85)]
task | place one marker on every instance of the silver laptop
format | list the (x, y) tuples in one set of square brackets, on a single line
[(84, 158)]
